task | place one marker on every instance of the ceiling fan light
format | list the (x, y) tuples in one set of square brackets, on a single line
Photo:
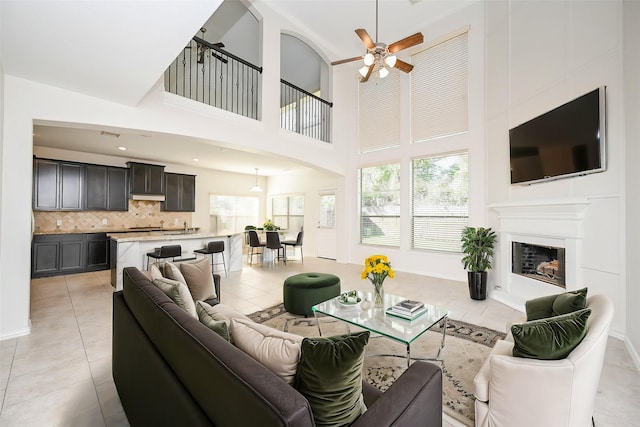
[(368, 59), (390, 60), (383, 72), (363, 71)]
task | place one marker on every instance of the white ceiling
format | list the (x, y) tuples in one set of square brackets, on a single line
[(93, 47)]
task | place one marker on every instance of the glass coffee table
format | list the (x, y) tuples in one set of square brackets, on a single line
[(378, 322)]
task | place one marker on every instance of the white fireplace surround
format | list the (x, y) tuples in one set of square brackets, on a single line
[(557, 223)]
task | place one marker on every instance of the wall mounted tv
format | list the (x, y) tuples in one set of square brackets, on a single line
[(567, 141)]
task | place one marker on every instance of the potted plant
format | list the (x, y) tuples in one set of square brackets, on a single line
[(477, 246)]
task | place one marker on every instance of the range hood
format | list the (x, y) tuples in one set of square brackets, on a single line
[(150, 197)]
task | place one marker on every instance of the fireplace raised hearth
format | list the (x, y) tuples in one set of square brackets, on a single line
[(543, 263)]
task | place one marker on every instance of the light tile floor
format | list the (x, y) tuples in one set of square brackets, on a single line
[(60, 374)]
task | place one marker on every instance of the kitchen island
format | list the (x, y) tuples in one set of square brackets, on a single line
[(130, 249)]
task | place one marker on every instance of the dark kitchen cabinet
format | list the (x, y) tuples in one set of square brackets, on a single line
[(146, 179), (97, 251), (57, 185), (106, 188), (180, 193), (57, 254)]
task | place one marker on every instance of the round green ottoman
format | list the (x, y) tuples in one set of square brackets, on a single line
[(303, 291)]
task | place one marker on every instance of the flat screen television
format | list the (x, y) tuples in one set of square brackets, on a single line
[(564, 142)]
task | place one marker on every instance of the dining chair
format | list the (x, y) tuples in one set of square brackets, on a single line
[(273, 243), (294, 244), (254, 243)]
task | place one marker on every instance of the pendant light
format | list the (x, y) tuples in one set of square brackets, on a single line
[(256, 188)]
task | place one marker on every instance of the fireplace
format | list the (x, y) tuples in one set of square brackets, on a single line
[(543, 263), (550, 233)]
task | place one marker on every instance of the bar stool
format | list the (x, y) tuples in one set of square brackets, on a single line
[(212, 249), (164, 252)]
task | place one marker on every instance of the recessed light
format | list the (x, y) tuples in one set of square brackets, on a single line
[(121, 148), (195, 159)]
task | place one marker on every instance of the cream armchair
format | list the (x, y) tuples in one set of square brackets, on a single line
[(515, 391)]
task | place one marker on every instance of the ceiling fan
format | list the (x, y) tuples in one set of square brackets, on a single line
[(204, 46), (380, 57)]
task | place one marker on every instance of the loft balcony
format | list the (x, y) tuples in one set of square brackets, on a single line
[(207, 73)]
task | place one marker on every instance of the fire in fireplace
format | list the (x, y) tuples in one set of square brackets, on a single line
[(542, 263)]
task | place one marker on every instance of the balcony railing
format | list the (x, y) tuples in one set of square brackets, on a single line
[(206, 73), (304, 112)]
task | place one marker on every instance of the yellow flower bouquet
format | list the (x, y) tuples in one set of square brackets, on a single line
[(377, 268)]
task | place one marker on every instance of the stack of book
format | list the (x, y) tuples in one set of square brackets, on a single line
[(407, 309)]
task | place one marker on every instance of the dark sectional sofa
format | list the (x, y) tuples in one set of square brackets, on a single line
[(170, 370)]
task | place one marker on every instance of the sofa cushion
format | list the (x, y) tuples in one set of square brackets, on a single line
[(330, 377), (155, 272), (226, 313), (199, 279), (171, 271), (179, 293), (278, 351), (206, 318), (551, 338), (555, 305)]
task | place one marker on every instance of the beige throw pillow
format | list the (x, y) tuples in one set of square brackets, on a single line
[(199, 279), (278, 351), (179, 293), (226, 313), (155, 272)]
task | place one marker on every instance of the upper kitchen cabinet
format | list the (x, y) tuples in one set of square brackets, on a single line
[(106, 188), (180, 193), (146, 179), (57, 185)]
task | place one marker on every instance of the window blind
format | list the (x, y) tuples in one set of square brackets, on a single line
[(379, 109), (380, 205), (288, 212), (439, 90), (440, 201), (230, 214)]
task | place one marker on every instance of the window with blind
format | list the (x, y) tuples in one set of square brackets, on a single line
[(380, 205), (439, 90), (288, 212), (327, 211), (440, 201), (231, 214), (379, 110)]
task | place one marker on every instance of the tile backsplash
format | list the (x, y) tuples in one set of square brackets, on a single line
[(141, 213)]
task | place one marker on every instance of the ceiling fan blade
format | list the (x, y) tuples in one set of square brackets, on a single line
[(413, 40), (342, 61), (365, 78), (219, 44), (366, 39), (403, 66), (220, 58)]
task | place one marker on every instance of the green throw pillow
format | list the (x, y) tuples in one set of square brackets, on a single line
[(220, 327), (330, 377), (554, 305), (552, 338)]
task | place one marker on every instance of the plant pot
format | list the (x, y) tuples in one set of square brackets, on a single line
[(477, 284)]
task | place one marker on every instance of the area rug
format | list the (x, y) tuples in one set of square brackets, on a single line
[(466, 348)]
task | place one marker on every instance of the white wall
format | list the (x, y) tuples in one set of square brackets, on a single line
[(346, 111), (632, 135), (540, 55)]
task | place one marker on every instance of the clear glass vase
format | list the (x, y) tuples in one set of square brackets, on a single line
[(378, 295)]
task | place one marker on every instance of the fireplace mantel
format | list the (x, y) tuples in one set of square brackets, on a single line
[(552, 218), (558, 223)]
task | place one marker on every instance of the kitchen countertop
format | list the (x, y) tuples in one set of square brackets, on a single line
[(161, 235)]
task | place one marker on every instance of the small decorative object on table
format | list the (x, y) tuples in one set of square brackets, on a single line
[(349, 298), (270, 226), (376, 269)]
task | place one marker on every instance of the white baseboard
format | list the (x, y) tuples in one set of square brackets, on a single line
[(16, 334), (632, 352)]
